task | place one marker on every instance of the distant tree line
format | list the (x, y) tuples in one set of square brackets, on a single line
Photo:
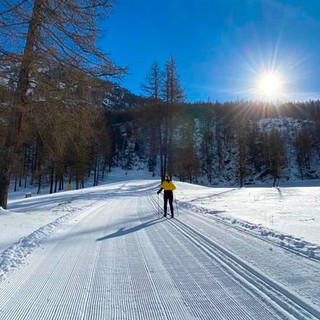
[(67, 136), (75, 138), (238, 143)]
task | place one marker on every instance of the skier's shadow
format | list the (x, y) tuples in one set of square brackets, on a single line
[(123, 231)]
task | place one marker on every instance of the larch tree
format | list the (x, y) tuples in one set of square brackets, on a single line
[(172, 94), (164, 90), (40, 35), (153, 82), (172, 91), (152, 87)]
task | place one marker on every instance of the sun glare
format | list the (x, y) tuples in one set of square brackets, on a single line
[(269, 85)]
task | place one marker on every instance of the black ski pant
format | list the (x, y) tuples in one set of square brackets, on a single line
[(168, 196)]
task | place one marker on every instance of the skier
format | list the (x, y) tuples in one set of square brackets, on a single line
[(168, 187)]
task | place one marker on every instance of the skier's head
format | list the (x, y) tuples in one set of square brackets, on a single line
[(168, 178)]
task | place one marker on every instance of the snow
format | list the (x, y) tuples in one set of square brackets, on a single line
[(287, 217), (290, 215)]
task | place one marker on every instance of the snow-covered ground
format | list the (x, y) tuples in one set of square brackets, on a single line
[(289, 215), (271, 232)]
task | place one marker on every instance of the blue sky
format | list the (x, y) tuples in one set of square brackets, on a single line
[(221, 46)]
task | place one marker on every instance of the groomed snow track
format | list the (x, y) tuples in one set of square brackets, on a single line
[(121, 260), (249, 276)]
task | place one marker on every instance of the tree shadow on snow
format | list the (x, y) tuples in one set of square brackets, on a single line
[(123, 231)]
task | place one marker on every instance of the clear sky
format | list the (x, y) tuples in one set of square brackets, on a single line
[(222, 47)]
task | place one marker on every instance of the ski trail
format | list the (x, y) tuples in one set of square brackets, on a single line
[(121, 262), (205, 287), (250, 249), (38, 290)]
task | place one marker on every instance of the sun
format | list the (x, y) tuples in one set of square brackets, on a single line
[(269, 85)]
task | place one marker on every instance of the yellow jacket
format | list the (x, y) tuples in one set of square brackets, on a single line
[(168, 185)]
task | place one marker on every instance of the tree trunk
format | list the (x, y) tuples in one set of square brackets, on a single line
[(7, 156), (61, 182), (39, 184), (15, 184), (51, 178), (19, 103), (56, 182), (96, 172)]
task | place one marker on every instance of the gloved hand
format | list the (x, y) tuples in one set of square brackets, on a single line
[(158, 192)]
